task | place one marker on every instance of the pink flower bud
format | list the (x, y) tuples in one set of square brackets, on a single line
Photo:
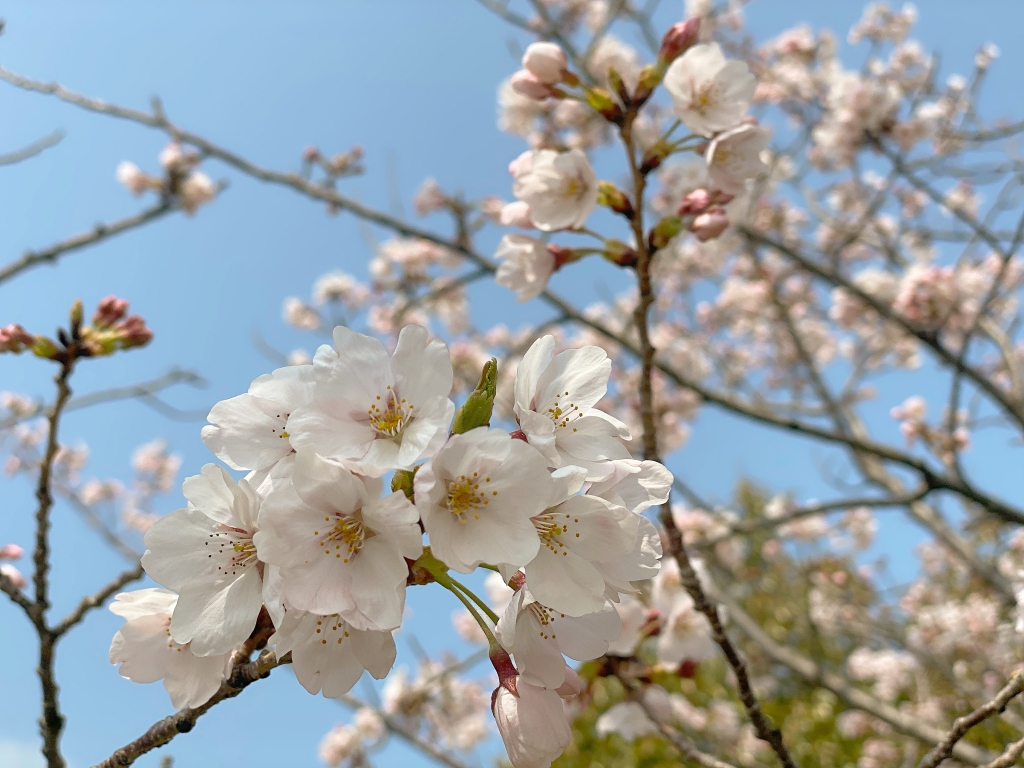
[(516, 214), (679, 37), (545, 61), (14, 576), (526, 84), (309, 154), (710, 224), (11, 552), (14, 338), (695, 202), (134, 332), (109, 311)]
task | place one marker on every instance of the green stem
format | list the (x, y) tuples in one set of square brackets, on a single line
[(483, 606)]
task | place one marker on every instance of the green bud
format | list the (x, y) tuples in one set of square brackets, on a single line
[(44, 347), (402, 481), (663, 231), (77, 312), (603, 102), (648, 79), (476, 411), (612, 197), (617, 252)]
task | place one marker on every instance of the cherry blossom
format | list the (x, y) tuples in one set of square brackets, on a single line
[(477, 497), (559, 187), (537, 636), (248, 431), (145, 651), (709, 92), (735, 156), (526, 265), (554, 404), (340, 547), (329, 655), (206, 553), (374, 412)]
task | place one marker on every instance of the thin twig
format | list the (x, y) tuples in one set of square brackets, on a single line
[(95, 235), (963, 724), (33, 149), (160, 733), (1009, 757), (95, 601)]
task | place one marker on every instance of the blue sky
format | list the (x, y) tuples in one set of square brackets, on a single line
[(414, 83)]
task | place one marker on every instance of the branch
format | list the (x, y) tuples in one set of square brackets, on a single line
[(142, 389), (17, 596), (160, 733), (33, 149), (52, 721), (1009, 757), (814, 675), (963, 724), (96, 600), (126, 550), (407, 734), (96, 234)]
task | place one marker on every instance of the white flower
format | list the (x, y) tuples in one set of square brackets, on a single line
[(195, 191), (635, 485), (144, 649), (554, 404), (576, 533), (545, 61), (341, 548), (476, 498), (376, 413), (205, 552), (709, 92), (685, 632), (533, 725), (526, 265), (132, 177), (538, 636), (627, 719), (735, 156), (559, 187), (248, 431), (329, 655)]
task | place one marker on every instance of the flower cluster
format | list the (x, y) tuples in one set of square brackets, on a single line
[(311, 541)]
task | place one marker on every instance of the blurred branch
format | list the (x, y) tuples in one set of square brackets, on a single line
[(95, 235), (33, 149), (1009, 757), (123, 548), (160, 733), (143, 389)]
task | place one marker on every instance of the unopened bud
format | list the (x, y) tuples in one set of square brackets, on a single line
[(545, 61), (695, 202), (648, 79), (617, 252), (45, 348), (109, 311), (476, 411), (77, 313), (664, 231), (13, 575), (402, 481), (655, 156), (14, 338), (679, 37), (612, 197), (602, 101), (11, 552), (526, 84), (309, 154), (618, 85), (710, 224)]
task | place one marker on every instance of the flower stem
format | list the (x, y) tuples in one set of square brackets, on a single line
[(483, 606)]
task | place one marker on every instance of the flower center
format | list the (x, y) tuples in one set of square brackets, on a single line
[(465, 497), (392, 418), (346, 537), (331, 627), (234, 549), (280, 431), (546, 618), (561, 412), (551, 529)]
